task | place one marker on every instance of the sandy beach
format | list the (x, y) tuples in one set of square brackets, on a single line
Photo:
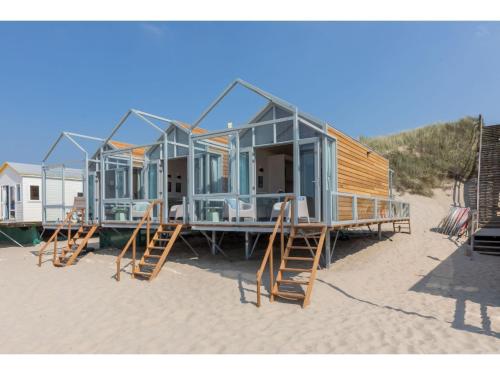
[(415, 293)]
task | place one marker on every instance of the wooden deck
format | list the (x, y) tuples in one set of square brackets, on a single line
[(247, 226)]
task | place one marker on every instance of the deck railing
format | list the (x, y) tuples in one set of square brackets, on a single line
[(146, 219), (60, 226), (349, 208), (268, 255), (235, 208)]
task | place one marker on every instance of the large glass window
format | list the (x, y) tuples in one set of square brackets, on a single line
[(264, 134), (244, 173), (152, 181)]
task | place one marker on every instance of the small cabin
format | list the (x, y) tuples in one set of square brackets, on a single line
[(22, 191)]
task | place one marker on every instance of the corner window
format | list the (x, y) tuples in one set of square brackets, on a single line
[(34, 192), (18, 192)]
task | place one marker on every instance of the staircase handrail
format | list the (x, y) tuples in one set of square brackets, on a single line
[(268, 255), (146, 218), (67, 220)]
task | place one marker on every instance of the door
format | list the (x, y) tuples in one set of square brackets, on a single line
[(247, 186), (309, 180), (330, 176), (5, 202), (92, 196), (12, 198)]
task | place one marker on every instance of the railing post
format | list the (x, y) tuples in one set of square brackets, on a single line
[(375, 204), (184, 210), (271, 273), (148, 228), (282, 235), (55, 250), (133, 256)]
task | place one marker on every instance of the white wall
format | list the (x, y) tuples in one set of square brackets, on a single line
[(54, 196), (31, 210), (28, 210)]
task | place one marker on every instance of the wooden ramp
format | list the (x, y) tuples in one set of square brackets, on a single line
[(157, 251), (302, 255)]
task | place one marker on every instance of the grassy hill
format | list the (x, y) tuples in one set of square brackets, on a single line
[(429, 156)]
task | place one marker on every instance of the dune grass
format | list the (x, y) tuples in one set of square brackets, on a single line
[(430, 156)]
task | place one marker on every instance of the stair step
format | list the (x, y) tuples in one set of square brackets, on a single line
[(156, 247), (289, 295), (152, 256), (141, 263), (142, 273), (486, 247), (302, 247), (293, 282), (287, 269), (300, 258)]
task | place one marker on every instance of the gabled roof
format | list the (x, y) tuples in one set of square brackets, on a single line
[(35, 170)]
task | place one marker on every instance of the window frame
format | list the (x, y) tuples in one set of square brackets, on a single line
[(31, 196)]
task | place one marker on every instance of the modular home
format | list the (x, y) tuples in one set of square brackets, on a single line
[(281, 171), (22, 191)]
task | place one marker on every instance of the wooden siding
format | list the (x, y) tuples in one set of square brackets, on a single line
[(360, 170)]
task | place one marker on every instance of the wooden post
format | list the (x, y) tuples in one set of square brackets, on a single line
[(55, 251), (379, 231), (148, 228), (271, 271), (133, 256)]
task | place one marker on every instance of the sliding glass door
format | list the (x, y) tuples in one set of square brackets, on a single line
[(309, 180)]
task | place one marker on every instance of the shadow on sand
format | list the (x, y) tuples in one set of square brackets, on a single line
[(476, 280)]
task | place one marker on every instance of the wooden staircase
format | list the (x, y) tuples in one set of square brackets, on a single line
[(74, 244), (302, 255), (299, 259), (157, 249)]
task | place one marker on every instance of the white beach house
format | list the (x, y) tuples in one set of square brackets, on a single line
[(21, 192)]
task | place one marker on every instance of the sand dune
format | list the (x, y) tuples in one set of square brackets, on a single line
[(414, 293)]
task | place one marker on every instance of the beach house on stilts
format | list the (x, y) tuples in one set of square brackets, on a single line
[(281, 175)]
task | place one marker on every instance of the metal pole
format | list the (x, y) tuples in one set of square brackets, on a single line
[(44, 192), (102, 192), (10, 238), (479, 164), (190, 179), (296, 163), (63, 198), (86, 188), (165, 176), (328, 258)]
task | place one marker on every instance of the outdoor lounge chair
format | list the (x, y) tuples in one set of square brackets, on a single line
[(247, 210), (302, 208), (138, 209), (176, 212)]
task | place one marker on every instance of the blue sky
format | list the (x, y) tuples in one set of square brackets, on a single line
[(367, 78)]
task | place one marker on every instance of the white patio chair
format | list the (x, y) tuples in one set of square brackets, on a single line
[(303, 211), (247, 210), (138, 209), (176, 212)]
